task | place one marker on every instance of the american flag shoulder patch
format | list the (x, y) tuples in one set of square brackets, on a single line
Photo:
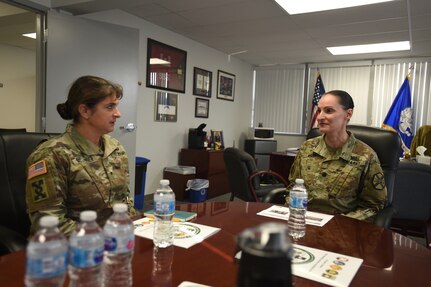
[(36, 169)]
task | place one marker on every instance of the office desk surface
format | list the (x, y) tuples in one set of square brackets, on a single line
[(389, 258)]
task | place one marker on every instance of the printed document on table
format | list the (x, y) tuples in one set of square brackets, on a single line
[(323, 266), (191, 284), (186, 234), (282, 212)]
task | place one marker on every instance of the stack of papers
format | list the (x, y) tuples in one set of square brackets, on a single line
[(181, 169), (292, 151), (186, 234), (180, 215), (282, 212), (323, 266)]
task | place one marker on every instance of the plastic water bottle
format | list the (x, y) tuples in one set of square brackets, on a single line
[(297, 209), (86, 247), (164, 210), (161, 275), (119, 244), (46, 255)]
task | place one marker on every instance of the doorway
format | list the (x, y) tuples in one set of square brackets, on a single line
[(21, 70)]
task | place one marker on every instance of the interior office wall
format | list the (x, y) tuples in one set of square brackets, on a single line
[(18, 94), (161, 142)]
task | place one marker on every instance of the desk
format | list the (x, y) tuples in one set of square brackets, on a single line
[(209, 165), (211, 263), (280, 162)]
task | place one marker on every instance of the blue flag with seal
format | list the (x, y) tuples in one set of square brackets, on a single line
[(400, 116)]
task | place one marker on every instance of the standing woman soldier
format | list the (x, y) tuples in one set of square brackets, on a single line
[(84, 168)]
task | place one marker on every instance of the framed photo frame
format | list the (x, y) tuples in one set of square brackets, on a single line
[(202, 82), (217, 139), (166, 107), (202, 107), (225, 86), (166, 67)]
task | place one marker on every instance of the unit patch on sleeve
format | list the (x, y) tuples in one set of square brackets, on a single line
[(38, 190), (378, 181), (37, 169)]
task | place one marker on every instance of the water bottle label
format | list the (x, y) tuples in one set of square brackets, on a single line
[(120, 244), (298, 202), (47, 266), (83, 258), (164, 207)]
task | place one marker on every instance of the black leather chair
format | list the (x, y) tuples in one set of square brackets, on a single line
[(244, 178), (12, 131), (412, 200), (387, 145), (14, 221)]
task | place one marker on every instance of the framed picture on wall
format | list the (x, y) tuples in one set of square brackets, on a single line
[(225, 86), (202, 107), (202, 82), (166, 107), (166, 67)]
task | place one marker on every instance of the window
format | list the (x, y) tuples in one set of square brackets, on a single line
[(388, 78), (279, 98), (281, 102)]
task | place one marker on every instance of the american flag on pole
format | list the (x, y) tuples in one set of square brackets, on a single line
[(319, 90)]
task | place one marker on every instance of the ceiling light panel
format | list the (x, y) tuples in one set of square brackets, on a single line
[(370, 48), (307, 6)]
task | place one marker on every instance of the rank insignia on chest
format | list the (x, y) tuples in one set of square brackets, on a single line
[(354, 162)]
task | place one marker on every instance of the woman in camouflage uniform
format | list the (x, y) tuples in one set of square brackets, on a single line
[(84, 168), (342, 174)]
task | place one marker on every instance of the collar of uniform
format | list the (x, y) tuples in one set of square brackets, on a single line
[(110, 144), (346, 150), (86, 146)]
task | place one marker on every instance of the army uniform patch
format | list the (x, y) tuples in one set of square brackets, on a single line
[(39, 191), (378, 181), (36, 169)]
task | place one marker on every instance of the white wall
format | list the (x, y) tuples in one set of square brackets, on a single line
[(162, 142), (18, 94)]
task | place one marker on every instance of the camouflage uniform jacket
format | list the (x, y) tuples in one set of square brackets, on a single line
[(348, 180), (68, 174)]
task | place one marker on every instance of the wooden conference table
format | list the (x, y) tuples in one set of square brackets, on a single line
[(390, 259)]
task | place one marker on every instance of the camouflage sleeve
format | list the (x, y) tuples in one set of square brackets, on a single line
[(295, 172), (66, 225), (373, 196), (45, 187)]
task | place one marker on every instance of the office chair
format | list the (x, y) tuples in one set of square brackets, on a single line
[(244, 178), (412, 200), (387, 145), (14, 221)]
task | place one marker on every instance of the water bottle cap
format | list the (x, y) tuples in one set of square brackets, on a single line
[(48, 221), (164, 182), (88, 215), (120, 207), (299, 180)]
